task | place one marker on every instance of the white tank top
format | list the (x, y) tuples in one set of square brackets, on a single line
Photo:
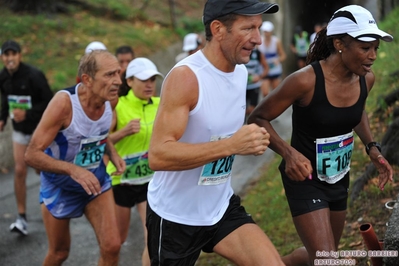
[(182, 196), (271, 54), (83, 141)]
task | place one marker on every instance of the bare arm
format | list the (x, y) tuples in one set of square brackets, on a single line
[(293, 49), (295, 89), (363, 131), (179, 96), (57, 116), (119, 163), (265, 66), (384, 168), (280, 50), (363, 128)]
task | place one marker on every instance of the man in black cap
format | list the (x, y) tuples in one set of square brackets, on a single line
[(25, 94), (191, 204)]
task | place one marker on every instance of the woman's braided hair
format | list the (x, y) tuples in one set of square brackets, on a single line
[(322, 47)]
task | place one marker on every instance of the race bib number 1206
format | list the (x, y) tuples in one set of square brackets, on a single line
[(218, 171)]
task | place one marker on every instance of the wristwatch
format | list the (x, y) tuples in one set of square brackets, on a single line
[(372, 144)]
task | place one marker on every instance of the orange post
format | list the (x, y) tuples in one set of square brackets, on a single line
[(372, 242)]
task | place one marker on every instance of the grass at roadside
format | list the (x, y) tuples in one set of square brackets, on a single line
[(266, 202), (55, 43)]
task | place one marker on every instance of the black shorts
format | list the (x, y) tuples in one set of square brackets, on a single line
[(302, 206), (311, 195), (301, 58), (171, 243), (271, 77), (252, 96), (130, 195)]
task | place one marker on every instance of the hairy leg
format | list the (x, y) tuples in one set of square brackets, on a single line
[(317, 234), (123, 219), (265, 87), (20, 176), (98, 212), (337, 219), (248, 245), (142, 210), (59, 238)]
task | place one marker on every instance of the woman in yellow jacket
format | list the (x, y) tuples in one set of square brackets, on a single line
[(132, 124)]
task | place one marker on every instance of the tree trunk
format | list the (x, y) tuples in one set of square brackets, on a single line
[(172, 9)]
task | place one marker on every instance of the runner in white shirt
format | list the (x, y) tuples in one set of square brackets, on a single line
[(197, 132)]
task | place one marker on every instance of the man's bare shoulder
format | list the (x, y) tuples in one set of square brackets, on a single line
[(62, 97), (180, 87), (60, 105), (181, 79), (183, 72)]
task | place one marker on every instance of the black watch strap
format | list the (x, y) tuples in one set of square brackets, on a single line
[(372, 144)]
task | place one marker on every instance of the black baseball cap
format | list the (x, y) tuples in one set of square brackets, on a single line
[(10, 45), (217, 8)]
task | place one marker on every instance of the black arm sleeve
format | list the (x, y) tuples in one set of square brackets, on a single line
[(4, 105), (41, 97)]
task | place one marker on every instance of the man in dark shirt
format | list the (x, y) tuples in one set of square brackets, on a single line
[(25, 94), (124, 54)]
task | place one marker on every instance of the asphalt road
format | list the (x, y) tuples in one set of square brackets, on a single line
[(16, 250)]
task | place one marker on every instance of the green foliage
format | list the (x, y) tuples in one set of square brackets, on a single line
[(122, 9), (187, 25), (15, 25), (386, 63), (60, 79), (55, 44)]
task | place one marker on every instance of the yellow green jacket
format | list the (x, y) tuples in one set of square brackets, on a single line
[(134, 148)]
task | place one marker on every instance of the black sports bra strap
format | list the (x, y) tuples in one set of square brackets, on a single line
[(320, 81), (363, 85), (319, 74), (319, 84)]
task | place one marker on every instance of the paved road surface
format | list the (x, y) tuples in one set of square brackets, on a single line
[(17, 250)]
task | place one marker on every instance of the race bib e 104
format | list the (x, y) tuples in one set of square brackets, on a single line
[(333, 157)]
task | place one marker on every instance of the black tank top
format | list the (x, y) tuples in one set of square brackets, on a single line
[(320, 119)]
